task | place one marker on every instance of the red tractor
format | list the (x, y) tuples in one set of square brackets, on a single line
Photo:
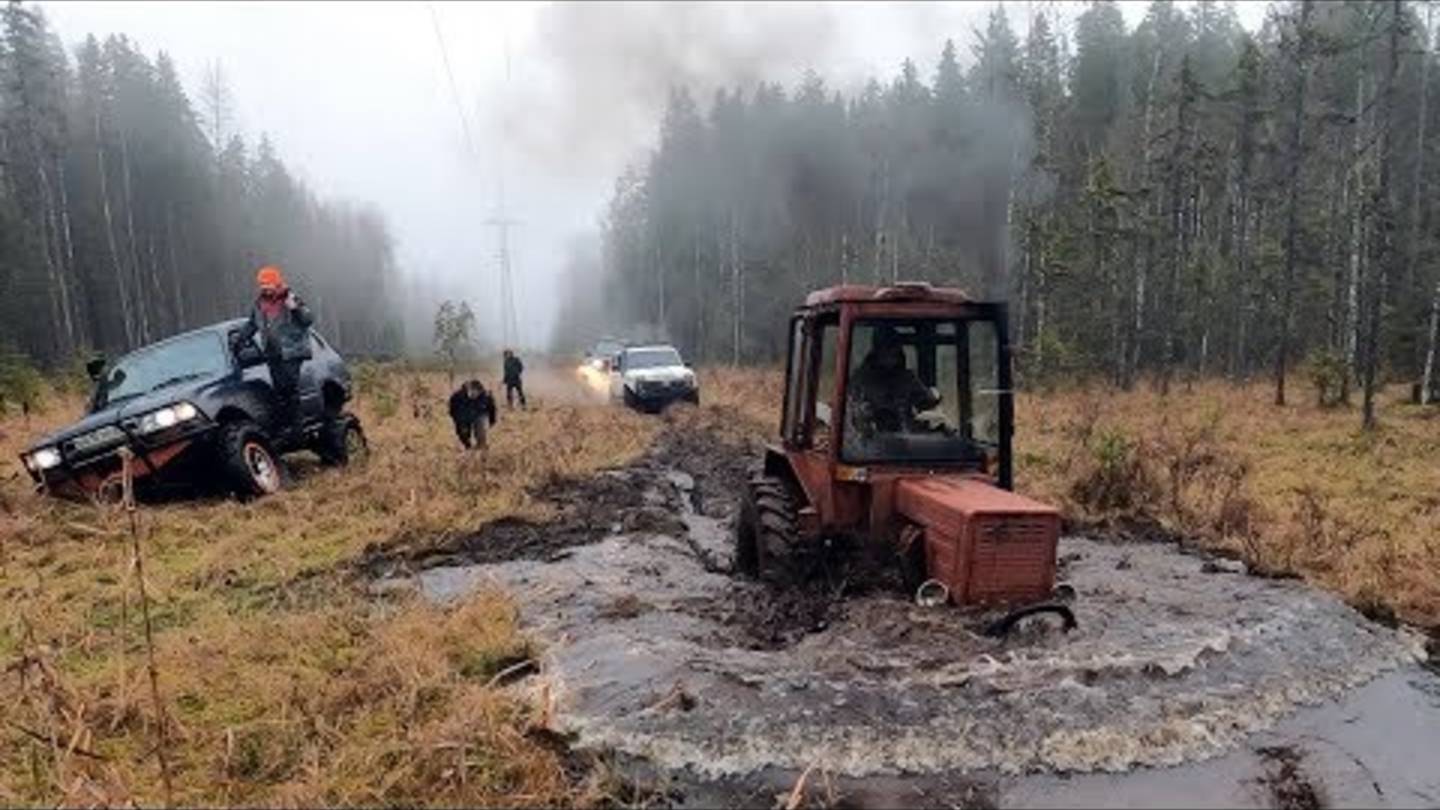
[(895, 435)]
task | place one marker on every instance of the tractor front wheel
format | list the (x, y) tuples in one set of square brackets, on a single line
[(765, 535)]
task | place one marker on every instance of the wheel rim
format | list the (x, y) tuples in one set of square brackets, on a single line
[(262, 467)]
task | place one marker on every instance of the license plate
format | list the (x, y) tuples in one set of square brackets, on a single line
[(102, 437)]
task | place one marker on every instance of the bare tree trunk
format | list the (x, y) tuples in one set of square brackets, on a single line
[(69, 243), (1417, 221), (126, 310), (54, 260), (737, 285), (181, 320), (1383, 247), (1297, 129), (1356, 195), (146, 334)]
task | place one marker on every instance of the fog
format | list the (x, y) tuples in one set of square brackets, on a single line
[(556, 99)]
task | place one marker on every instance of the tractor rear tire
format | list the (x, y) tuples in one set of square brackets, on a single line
[(765, 536)]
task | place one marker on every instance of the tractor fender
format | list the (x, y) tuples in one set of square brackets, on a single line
[(777, 463)]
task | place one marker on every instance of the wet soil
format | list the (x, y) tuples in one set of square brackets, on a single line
[(1285, 779), (728, 692)]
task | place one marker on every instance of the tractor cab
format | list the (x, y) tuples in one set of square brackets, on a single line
[(895, 434), (898, 378)]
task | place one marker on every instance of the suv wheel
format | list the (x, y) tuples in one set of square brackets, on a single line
[(249, 464), (342, 441), (765, 541)]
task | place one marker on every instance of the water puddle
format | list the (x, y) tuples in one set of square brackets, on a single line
[(1180, 671)]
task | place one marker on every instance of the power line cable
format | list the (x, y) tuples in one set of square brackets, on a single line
[(450, 75)]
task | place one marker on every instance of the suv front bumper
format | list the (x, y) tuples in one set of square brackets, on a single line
[(83, 474)]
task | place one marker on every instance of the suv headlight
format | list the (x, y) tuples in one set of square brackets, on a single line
[(43, 459), (168, 417)]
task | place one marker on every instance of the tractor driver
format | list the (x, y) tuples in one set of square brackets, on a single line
[(884, 394)]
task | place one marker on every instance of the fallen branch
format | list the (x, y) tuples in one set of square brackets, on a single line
[(797, 793), (41, 738)]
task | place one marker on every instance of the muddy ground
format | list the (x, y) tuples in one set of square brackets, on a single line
[(1187, 683)]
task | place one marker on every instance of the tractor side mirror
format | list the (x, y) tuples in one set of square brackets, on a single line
[(95, 368)]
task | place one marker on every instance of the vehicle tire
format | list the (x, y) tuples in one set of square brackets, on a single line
[(765, 535), (249, 464), (912, 566), (631, 401), (693, 398), (342, 441)]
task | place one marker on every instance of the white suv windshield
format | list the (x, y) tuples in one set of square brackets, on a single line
[(651, 358)]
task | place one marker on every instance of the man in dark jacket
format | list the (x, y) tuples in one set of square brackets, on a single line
[(283, 322), (513, 387), (471, 408)]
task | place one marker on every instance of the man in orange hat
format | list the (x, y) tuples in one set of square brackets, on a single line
[(282, 321)]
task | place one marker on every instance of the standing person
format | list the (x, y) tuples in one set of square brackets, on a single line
[(513, 387), (283, 322), (471, 407)]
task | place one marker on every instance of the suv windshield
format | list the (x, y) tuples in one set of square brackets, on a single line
[(188, 357), (651, 358), (922, 390)]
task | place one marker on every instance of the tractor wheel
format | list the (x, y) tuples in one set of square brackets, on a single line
[(912, 565), (250, 466), (765, 534)]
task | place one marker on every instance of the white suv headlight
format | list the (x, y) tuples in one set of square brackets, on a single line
[(167, 417), (44, 458)]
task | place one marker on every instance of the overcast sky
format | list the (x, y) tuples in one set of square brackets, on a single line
[(357, 100)]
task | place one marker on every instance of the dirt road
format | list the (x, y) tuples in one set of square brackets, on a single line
[(1188, 682)]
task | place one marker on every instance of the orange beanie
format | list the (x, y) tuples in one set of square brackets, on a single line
[(269, 277)]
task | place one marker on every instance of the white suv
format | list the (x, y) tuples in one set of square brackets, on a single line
[(650, 377)]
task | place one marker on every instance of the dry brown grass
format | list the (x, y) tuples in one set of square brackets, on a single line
[(283, 681), (1296, 489)]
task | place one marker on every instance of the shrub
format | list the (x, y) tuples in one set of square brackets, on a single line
[(1115, 478), (20, 382), (1328, 373)]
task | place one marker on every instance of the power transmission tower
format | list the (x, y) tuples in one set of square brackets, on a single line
[(509, 326), (502, 224)]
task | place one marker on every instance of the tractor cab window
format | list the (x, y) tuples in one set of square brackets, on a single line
[(922, 390), (825, 374)]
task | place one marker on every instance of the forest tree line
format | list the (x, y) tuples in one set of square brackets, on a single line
[(129, 213), (1183, 198)]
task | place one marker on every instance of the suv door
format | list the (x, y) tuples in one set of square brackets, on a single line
[(312, 372)]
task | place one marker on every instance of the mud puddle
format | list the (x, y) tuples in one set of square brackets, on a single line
[(730, 692)]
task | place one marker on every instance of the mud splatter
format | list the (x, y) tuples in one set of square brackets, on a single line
[(1285, 779)]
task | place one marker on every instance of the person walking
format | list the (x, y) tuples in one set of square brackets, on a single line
[(282, 320), (513, 386), (471, 409)]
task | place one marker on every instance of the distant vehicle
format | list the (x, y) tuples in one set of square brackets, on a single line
[(648, 378), (602, 355), (190, 409)]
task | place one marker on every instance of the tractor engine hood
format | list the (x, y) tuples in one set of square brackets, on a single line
[(987, 545)]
